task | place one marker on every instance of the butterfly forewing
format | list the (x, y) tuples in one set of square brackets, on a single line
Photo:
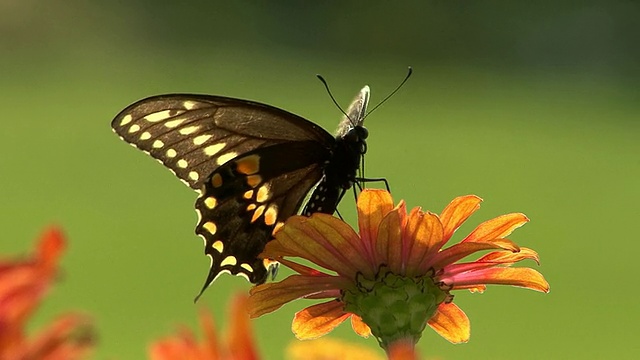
[(194, 134)]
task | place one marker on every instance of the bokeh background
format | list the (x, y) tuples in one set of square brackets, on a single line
[(534, 106)]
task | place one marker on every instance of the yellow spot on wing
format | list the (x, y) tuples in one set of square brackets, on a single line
[(248, 165), (201, 139), (126, 119), (278, 226), (171, 153), (188, 130), (157, 144), (248, 194), (214, 149), (218, 246), (183, 163), (264, 193), (174, 123), (257, 213), (254, 180), (145, 135), (210, 227), (194, 176), (216, 180), (247, 267), (134, 128), (210, 202), (271, 215), (189, 105), (158, 116), (226, 157), (229, 260)]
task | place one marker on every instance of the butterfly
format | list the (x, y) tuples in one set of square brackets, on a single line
[(252, 165)]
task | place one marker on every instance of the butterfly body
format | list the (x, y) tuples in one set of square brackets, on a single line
[(252, 165)]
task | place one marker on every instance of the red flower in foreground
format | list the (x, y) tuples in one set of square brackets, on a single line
[(393, 278), (23, 284), (238, 345)]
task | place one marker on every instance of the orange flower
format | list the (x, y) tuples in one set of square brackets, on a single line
[(331, 349), (239, 344), (23, 284), (393, 278)]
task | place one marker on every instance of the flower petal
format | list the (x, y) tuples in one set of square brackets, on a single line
[(210, 344), (24, 282), (423, 234), (51, 246), (451, 323), (458, 210), (301, 269), (473, 289), (184, 345), (181, 346), (388, 245), (509, 257), (70, 336), (266, 298), (497, 228), (459, 251), (360, 327), (318, 320), (520, 277), (321, 239), (493, 259), (339, 236), (373, 205), (330, 349), (240, 342)]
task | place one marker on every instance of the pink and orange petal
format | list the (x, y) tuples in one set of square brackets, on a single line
[(451, 323)]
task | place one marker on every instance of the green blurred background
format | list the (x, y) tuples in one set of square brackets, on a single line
[(532, 106)]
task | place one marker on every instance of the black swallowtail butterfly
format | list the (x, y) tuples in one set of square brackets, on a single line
[(252, 165)]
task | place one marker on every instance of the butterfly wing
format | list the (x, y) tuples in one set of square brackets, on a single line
[(251, 163), (247, 199), (193, 135)]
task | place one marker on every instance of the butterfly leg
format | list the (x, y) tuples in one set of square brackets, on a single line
[(367, 180)]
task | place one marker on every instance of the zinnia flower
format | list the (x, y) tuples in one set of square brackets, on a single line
[(395, 277), (23, 285), (237, 345)]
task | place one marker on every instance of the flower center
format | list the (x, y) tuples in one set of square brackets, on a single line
[(394, 306)]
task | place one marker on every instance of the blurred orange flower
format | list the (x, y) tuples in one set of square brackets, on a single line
[(23, 284), (238, 344), (394, 277), (331, 349)]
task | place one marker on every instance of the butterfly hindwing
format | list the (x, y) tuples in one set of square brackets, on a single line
[(244, 200)]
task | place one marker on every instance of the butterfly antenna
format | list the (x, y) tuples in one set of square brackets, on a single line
[(409, 72), (326, 86)]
